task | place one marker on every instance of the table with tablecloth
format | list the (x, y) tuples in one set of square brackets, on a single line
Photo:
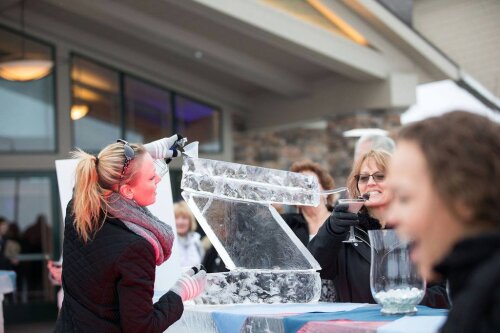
[(304, 318)]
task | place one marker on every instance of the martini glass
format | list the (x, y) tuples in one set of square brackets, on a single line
[(354, 205)]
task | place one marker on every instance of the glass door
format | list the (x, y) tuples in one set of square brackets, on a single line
[(29, 202)]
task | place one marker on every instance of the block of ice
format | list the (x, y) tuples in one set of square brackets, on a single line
[(249, 235), (195, 319), (232, 203), (256, 286), (249, 183)]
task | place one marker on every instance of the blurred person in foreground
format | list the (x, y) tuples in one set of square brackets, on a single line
[(191, 250), (348, 264), (112, 244), (445, 177)]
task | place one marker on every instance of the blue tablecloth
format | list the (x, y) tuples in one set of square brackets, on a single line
[(367, 313), (318, 317), (231, 319)]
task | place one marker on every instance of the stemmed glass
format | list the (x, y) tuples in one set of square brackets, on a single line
[(161, 167), (354, 205)]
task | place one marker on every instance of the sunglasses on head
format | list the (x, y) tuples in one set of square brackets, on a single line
[(129, 153), (365, 178)]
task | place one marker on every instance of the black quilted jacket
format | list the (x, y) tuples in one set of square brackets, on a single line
[(108, 283)]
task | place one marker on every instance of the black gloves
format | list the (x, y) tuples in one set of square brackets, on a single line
[(179, 138), (340, 220)]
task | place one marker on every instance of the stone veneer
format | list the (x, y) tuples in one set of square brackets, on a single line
[(279, 148)]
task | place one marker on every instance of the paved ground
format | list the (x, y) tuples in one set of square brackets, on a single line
[(45, 327)]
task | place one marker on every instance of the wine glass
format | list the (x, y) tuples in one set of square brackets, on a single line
[(354, 205)]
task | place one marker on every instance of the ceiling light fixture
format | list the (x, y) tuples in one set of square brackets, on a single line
[(345, 27), (25, 69), (79, 111)]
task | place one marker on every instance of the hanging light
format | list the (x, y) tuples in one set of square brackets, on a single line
[(79, 111), (24, 69)]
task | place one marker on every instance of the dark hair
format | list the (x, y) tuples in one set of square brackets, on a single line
[(325, 179), (462, 153)]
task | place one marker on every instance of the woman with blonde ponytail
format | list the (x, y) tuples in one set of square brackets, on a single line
[(113, 243)]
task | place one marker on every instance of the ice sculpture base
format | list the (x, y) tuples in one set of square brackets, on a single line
[(257, 286)]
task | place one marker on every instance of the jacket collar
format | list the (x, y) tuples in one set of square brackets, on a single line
[(466, 257)]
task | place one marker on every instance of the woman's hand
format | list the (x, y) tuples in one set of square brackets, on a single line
[(191, 283), (166, 147), (340, 220), (55, 272)]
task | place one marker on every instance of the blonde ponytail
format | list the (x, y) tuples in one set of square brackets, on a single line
[(96, 178), (88, 195)]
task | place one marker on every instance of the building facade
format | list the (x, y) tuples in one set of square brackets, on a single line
[(234, 75)]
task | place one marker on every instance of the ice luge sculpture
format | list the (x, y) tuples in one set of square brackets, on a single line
[(261, 286), (267, 262), (249, 183)]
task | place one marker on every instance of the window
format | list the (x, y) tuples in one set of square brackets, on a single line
[(27, 203), (147, 110), (95, 110), (109, 104), (27, 110), (198, 122)]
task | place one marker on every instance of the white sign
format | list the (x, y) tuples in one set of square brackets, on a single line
[(168, 272)]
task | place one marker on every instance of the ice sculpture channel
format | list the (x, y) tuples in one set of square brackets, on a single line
[(267, 262)]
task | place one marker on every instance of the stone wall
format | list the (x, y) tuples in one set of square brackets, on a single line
[(279, 148)]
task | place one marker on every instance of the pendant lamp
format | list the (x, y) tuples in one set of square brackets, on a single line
[(24, 69)]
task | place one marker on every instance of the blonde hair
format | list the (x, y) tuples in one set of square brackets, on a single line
[(95, 179), (381, 159), (182, 209)]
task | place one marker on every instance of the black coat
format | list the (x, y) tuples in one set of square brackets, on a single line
[(299, 226), (213, 262), (108, 283), (473, 271), (348, 265)]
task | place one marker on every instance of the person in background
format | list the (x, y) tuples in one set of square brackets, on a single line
[(9, 248), (112, 245), (348, 264), (191, 251), (445, 177), (213, 262), (373, 142), (55, 277), (306, 223)]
